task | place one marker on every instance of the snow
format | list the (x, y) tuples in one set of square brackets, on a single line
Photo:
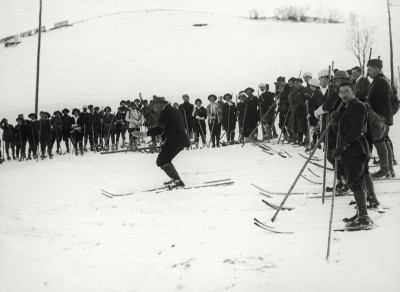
[(58, 233)]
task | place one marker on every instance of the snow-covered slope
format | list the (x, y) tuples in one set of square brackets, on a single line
[(160, 52)]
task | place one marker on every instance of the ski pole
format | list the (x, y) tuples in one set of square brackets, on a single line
[(302, 169), (333, 199), (202, 134), (263, 117), (40, 130), (244, 119), (284, 123), (212, 130), (326, 141)]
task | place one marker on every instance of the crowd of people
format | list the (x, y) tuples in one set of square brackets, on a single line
[(301, 107)]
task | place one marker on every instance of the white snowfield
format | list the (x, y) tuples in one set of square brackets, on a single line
[(58, 233)]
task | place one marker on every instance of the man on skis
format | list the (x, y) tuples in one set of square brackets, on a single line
[(165, 118)]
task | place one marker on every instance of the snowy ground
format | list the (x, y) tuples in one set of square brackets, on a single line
[(58, 233)]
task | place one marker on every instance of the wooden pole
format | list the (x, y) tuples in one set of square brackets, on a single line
[(391, 45), (38, 60)]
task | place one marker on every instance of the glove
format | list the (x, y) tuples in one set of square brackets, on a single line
[(335, 116), (319, 112), (337, 152)]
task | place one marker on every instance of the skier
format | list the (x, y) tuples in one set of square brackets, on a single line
[(266, 101), (229, 118), (353, 150), (313, 102), (214, 113), (56, 131), (251, 116), (66, 128), (165, 118)]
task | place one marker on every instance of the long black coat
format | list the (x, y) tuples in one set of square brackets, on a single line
[(172, 124), (352, 127), (314, 102), (251, 115), (186, 109), (379, 98), (284, 98), (266, 102), (8, 133), (229, 116), (298, 121), (202, 113)]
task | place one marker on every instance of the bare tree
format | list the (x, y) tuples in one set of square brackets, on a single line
[(391, 3), (254, 14), (359, 39)]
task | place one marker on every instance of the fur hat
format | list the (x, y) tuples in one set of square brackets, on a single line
[(212, 95), (375, 63), (65, 110), (314, 82), (323, 72)]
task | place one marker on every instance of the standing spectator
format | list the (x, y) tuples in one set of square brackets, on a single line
[(229, 118), (214, 113), (199, 126)]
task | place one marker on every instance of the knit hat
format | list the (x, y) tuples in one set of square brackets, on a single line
[(307, 74), (323, 72), (314, 82)]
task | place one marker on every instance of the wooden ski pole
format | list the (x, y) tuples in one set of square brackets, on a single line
[(211, 133), (284, 124), (326, 140), (333, 199), (302, 169)]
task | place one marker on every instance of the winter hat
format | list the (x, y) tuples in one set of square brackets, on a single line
[(298, 80), (314, 82), (198, 100), (90, 106), (96, 108), (107, 107), (32, 116), (375, 63), (242, 93), (226, 95), (340, 74), (185, 95), (261, 85), (76, 110), (249, 88), (292, 79), (307, 74), (65, 110), (85, 106), (57, 112), (19, 119), (280, 78), (48, 114), (212, 95), (323, 72), (121, 102)]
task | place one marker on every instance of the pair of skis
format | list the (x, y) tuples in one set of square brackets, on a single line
[(215, 183), (144, 149)]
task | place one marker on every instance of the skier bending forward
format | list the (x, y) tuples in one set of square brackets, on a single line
[(162, 117)]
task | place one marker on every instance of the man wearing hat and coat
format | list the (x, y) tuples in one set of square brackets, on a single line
[(266, 100), (162, 117), (229, 118), (20, 138), (8, 138), (251, 115), (186, 108), (312, 103), (283, 92), (56, 131), (45, 135), (378, 97), (360, 82), (214, 113), (33, 135), (66, 128)]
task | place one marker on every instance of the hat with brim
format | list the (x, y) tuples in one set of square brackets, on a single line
[(198, 100), (47, 114), (32, 116), (291, 79), (75, 110), (90, 106), (341, 74), (107, 107), (249, 88), (65, 110), (323, 72), (227, 95), (121, 102), (212, 95), (19, 119), (280, 78), (307, 74), (313, 82), (298, 80), (57, 112), (96, 108)]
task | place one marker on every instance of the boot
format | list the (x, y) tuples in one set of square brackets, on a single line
[(383, 155), (170, 170), (381, 174), (361, 222), (370, 190)]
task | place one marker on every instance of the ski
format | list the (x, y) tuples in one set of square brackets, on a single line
[(276, 207), (276, 193), (313, 172), (312, 158), (353, 229), (270, 229), (314, 182), (386, 179), (259, 222), (150, 149), (349, 193), (265, 195), (112, 195), (195, 187)]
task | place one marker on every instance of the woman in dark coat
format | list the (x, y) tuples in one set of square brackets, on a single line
[(229, 118), (77, 131), (199, 125)]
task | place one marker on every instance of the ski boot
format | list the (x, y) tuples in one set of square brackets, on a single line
[(351, 219), (392, 174), (8, 158), (42, 156), (361, 222), (50, 155), (176, 184), (381, 174)]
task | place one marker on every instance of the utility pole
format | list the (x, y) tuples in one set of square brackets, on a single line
[(391, 44), (38, 60)]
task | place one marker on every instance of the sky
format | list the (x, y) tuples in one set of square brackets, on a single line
[(17, 16)]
